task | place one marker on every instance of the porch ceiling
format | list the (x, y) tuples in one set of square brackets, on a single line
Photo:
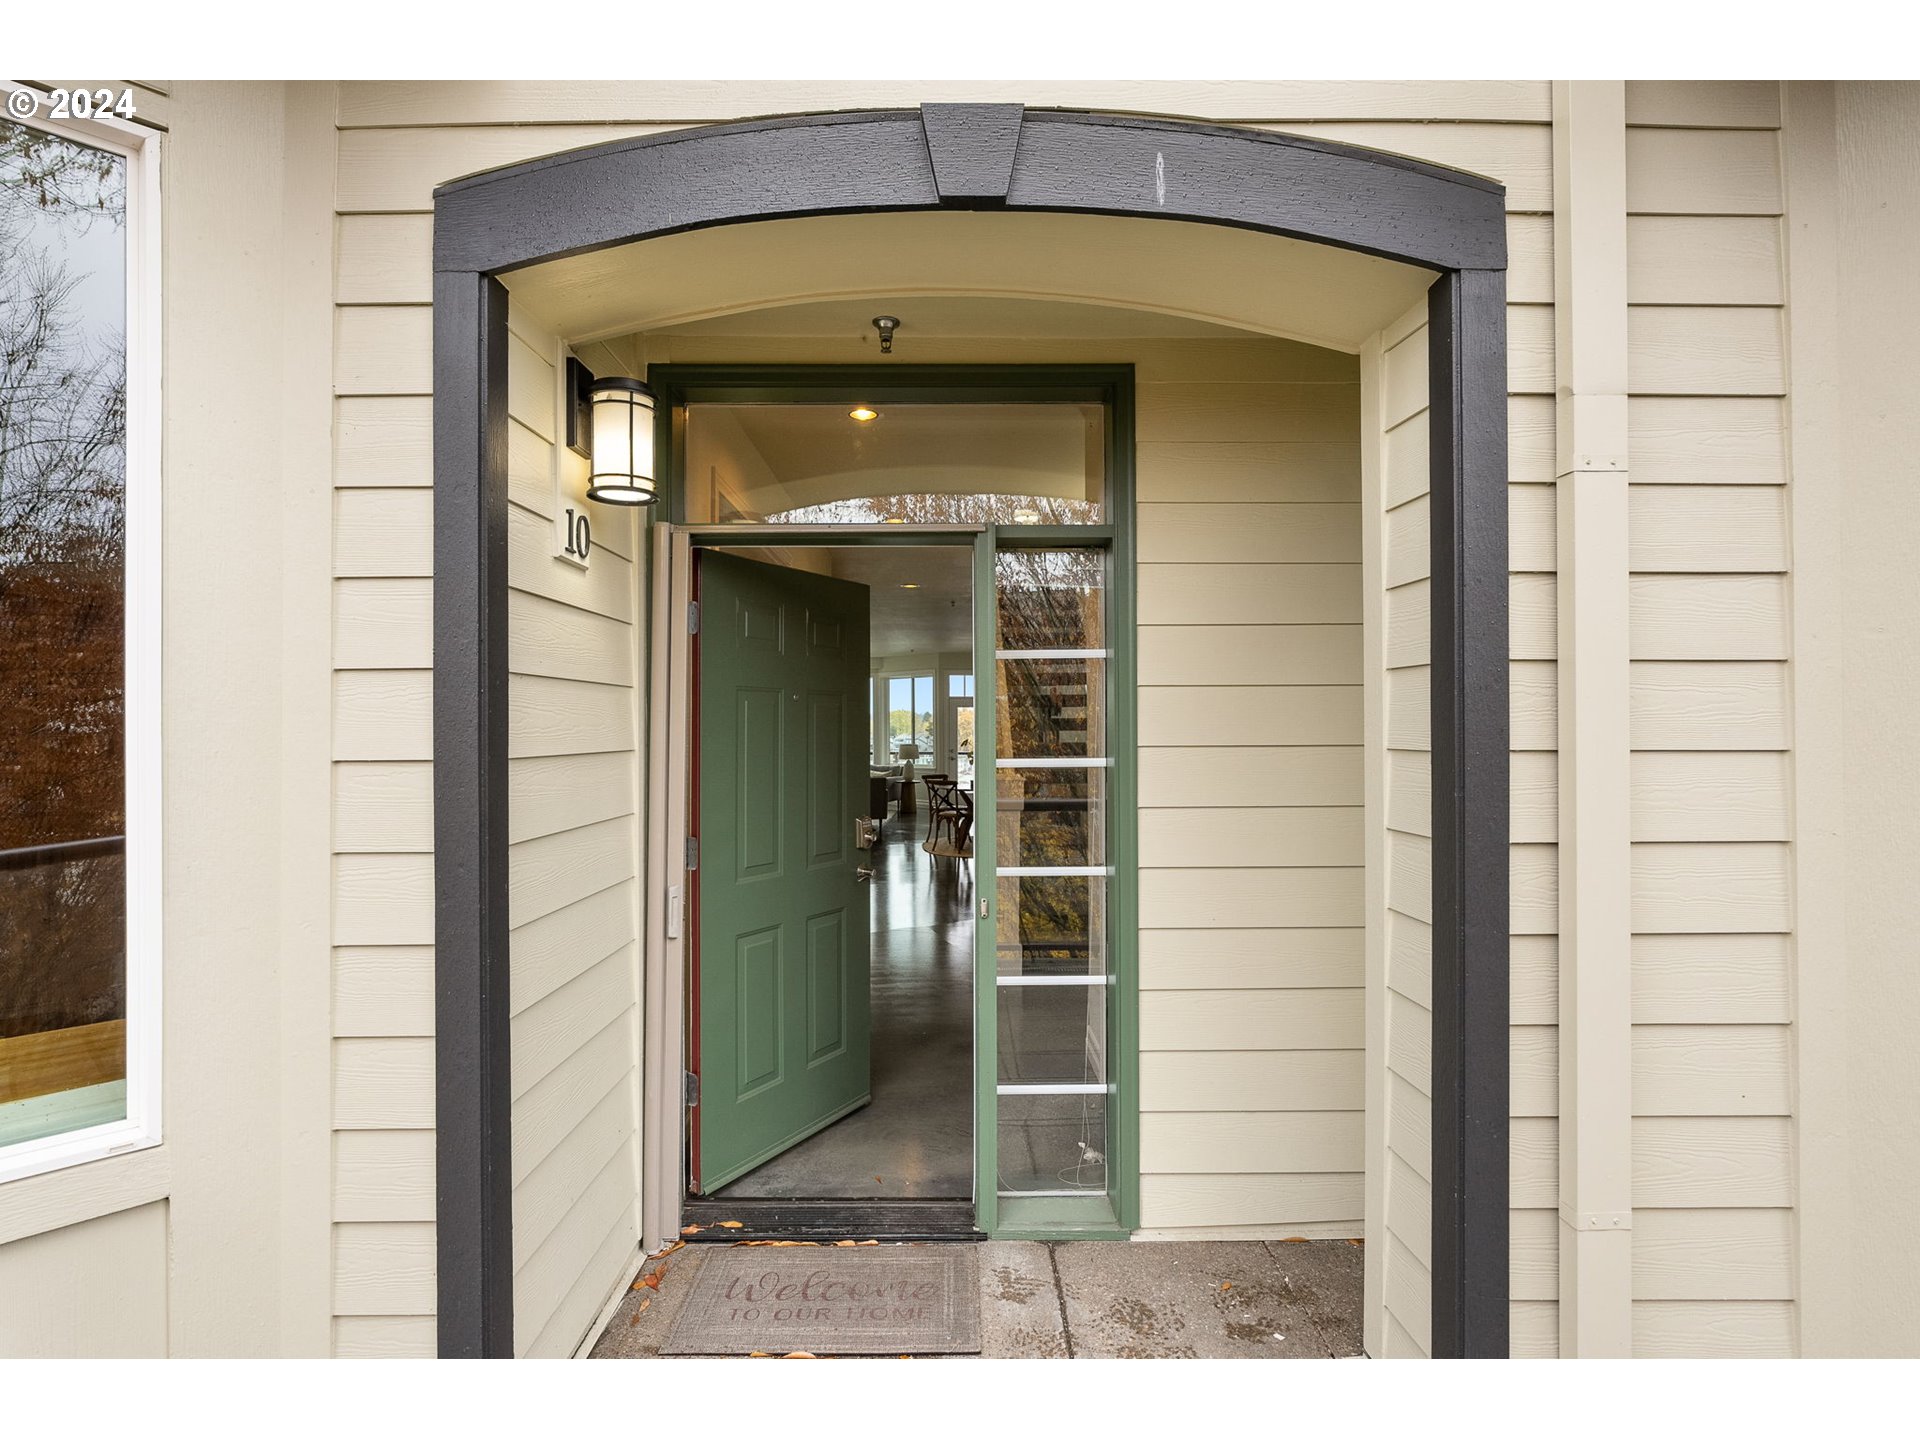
[(1189, 278)]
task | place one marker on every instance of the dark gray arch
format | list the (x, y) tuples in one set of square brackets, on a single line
[(960, 157)]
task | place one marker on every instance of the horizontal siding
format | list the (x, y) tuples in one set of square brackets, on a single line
[(1711, 813), (1403, 1187), (1250, 831), (572, 880), (573, 775), (386, 103)]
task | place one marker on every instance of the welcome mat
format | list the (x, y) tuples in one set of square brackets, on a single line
[(878, 1300)]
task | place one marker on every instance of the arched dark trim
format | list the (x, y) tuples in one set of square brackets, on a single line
[(946, 157)]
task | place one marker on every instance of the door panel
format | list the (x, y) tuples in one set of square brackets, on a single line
[(782, 971)]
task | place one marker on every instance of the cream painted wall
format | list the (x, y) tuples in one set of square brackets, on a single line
[(217, 1242), (1854, 310), (1399, 914), (575, 643)]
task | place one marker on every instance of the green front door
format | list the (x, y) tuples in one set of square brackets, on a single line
[(781, 986)]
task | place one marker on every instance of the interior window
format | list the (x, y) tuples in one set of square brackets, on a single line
[(909, 715)]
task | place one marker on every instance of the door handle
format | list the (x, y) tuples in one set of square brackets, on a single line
[(862, 875)]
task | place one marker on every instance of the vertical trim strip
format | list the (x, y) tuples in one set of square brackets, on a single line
[(986, 834), (1595, 765), (1468, 366), (473, 1100)]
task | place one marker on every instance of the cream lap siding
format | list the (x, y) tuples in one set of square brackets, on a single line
[(382, 838), (572, 776), (1400, 895), (1712, 916), (573, 652), (1251, 844)]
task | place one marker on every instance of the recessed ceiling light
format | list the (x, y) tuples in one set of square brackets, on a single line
[(863, 414), (909, 586)]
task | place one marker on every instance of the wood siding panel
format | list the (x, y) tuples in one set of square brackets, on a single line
[(1707, 528), (1728, 706), (1705, 350), (1264, 837), (1706, 440), (1704, 260), (1238, 472), (1297, 959), (1703, 172), (392, 103)]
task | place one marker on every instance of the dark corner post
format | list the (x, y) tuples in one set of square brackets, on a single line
[(1466, 339), (473, 1184)]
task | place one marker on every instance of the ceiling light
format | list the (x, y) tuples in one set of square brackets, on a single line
[(863, 414), (909, 586)]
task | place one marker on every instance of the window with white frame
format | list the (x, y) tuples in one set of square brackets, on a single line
[(79, 640), (902, 707)]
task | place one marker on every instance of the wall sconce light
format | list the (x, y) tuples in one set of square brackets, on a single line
[(622, 472)]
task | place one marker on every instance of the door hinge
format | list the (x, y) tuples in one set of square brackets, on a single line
[(693, 852), (690, 1085), (693, 617)]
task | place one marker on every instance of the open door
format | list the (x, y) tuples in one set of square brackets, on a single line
[(781, 959)]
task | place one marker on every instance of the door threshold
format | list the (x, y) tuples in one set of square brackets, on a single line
[(729, 1221)]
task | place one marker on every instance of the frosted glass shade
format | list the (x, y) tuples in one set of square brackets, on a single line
[(622, 431)]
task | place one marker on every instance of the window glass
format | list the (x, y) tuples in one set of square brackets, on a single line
[(63, 991), (815, 464), (909, 714), (1053, 869)]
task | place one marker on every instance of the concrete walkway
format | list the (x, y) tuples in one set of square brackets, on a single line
[(1206, 1298)]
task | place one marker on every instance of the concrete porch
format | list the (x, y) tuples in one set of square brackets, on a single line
[(1218, 1299)]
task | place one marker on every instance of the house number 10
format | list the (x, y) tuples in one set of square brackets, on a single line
[(579, 535)]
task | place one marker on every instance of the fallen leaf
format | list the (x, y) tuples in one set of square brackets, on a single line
[(878, 1181), (691, 1229), (843, 1243), (776, 1242), (1356, 1242), (649, 1282), (1227, 1285), (733, 1224), (800, 1355), (867, 1242), (1295, 1240)]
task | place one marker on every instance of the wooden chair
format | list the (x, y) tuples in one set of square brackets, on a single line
[(940, 809)]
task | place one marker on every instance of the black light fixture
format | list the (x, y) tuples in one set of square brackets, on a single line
[(621, 412)]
